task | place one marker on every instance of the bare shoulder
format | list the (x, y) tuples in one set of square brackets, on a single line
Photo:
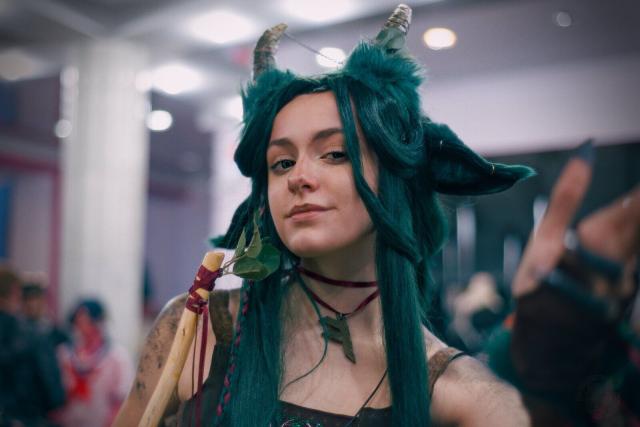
[(469, 394), (432, 342), (153, 356)]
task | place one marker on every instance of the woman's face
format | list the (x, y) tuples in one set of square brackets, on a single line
[(312, 194)]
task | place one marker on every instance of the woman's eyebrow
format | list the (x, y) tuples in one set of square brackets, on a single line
[(318, 136), (325, 133)]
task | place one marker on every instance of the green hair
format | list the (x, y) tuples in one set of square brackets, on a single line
[(378, 88)]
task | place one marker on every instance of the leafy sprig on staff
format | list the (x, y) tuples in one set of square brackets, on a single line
[(254, 261)]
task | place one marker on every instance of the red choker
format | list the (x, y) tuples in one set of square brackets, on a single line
[(337, 330), (333, 282)]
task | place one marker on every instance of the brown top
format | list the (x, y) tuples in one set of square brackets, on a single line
[(438, 364)]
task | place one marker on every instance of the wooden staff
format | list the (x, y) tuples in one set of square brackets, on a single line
[(179, 351)]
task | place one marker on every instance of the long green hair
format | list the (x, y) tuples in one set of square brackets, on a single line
[(378, 87)]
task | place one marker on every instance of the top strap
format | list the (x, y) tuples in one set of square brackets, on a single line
[(438, 364)]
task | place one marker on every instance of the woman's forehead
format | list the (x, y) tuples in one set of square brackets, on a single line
[(306, 114)]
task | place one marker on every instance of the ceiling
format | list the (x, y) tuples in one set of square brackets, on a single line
[(493, 36)]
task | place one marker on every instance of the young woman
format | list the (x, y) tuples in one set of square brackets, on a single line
[(345, 169), (96, 371)]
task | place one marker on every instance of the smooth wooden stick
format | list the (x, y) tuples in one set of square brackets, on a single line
[(178, 353)]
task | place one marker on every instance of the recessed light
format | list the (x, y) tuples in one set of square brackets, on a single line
[(562, 19), (16, 64), (330, 57), (69, 76), (324, 11), (159, 120), (439, 38), (176, 78), (63, 128), (221, 26)]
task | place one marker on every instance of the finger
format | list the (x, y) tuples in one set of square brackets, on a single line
[(568, 193), (546, 243), (614, 231)]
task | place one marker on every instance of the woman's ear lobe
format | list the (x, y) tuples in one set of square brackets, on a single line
[(453, 168)]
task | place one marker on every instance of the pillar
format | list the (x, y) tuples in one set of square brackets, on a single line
[(104, 189)]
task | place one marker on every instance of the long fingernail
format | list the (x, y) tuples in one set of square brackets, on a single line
[(585, 151)]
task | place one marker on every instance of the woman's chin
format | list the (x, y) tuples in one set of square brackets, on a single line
[(310, 249)]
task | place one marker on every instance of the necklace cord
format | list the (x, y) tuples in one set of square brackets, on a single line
[(324, 337), (364, 405), (334, 282), (326, 305)]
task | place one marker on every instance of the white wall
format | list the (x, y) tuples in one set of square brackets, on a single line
[(30, 222), (229, 188), (543, 108)]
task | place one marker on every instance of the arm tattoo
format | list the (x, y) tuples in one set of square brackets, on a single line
[(156, 347)]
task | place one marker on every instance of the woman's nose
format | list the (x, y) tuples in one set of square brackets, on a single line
[(302, 178)]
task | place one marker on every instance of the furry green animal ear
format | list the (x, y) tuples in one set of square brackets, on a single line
[(454, 168)]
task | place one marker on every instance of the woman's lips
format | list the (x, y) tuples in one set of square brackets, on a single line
[(307, 215)]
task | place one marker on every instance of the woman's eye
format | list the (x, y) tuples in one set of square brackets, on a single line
[(282, 165), (336, 155)]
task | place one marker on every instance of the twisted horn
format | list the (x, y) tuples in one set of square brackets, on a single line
[(393, 34), (264, 53), (400, 19)]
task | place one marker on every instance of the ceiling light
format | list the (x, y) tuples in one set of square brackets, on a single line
[(221, 26), (159, 120), (176, 78), (319, 11), (69, 76), (563, 19), (330, 57), (439, 38), (63, 128), (16, 64)]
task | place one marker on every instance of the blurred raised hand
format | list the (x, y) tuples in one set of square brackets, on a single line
[(612, 233), (573, 288)]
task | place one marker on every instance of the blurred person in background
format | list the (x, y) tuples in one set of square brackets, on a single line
[(35, 311), (34, 307), (477, 310), (96, 371), (30, 384)]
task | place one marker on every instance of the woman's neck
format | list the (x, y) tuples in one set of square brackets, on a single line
[(353, 265), (355, 262)]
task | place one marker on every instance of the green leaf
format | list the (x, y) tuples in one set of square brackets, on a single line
[(270, 258), (256, 242), (267, 261), (242, 242), (248, 268)]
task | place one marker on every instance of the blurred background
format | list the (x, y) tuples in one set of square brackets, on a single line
[(119, 118)]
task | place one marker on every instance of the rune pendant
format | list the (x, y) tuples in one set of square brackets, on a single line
[(337, 330)]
